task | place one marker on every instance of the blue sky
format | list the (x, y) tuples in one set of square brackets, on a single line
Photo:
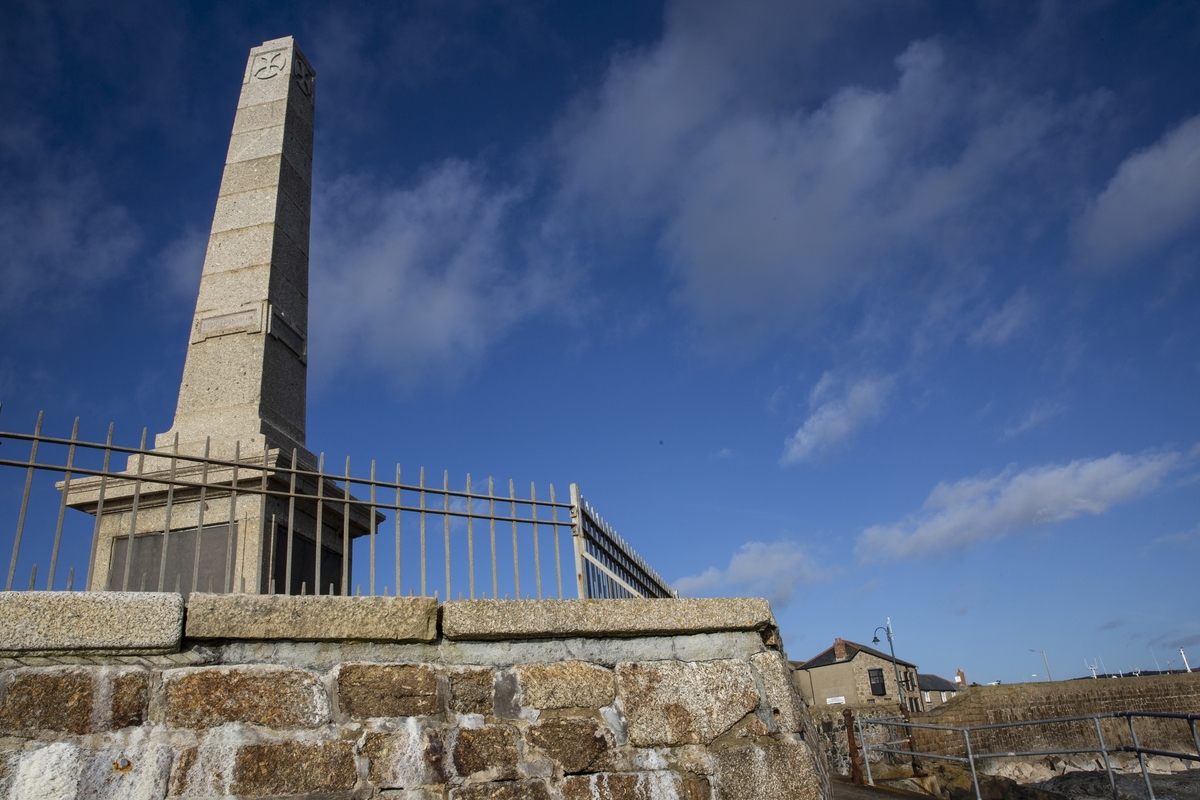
[(874, 309)]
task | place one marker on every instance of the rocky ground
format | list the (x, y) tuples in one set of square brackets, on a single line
[(1043, 782)]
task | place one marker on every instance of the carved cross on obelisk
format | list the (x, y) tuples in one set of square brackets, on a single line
[(242, 398), (245, 374)]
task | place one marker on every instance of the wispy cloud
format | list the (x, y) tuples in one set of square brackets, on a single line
[(1000, 326), (767, 208), (1040, 413), (838, 411), (60, 235), (418, 281), (1111, 625), (1152, 201), (967, 512), (775, 571), (1183, 539), (724, 452)]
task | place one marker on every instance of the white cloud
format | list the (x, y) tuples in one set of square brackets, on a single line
[(973, 510), (774, 571), (1042, 412), (60, 236), (417, 281), (1000, 326), (1151, 202), (767, 207), (838, 412)]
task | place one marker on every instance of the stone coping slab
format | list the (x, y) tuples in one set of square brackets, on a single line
[(312, 618), (95, 623), (543, 619)]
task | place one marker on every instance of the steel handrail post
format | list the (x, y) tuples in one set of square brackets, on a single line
[(87, 587), (971, 760), (1141, 757), (1195, 738), (133, 513), (577, 540), (62, 508), (33, 448), (866, 751), (1112, 782), (162, 562)]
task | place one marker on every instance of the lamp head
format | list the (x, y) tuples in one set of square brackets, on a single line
[(875, 640)]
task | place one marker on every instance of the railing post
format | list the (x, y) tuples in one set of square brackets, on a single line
[(1112, 783), (971, 760), (577, 539), (1141, 757), (856, 776), (12, 565), (866, 748)]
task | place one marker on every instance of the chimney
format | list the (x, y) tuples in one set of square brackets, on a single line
[(961, 678), (839, 649)]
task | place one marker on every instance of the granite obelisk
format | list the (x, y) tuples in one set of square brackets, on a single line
[(244, 378), (242, 398)]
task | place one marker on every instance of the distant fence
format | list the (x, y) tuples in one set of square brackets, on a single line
[(949, 743), (172, 520)]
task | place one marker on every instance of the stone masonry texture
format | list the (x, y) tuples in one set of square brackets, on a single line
[(378, 725), (113, 623)]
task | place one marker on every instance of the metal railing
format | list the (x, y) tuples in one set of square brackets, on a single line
[(971, 756), (174, 519)]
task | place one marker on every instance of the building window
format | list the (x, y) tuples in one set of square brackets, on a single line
[(876, 678)]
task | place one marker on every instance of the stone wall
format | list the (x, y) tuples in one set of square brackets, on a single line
[(988, 705), (477, 700)]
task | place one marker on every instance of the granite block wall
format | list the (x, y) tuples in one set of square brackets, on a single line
[(694, 716)]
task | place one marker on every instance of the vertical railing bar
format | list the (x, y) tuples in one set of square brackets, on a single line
[(346, 533), (319, 535), (971, 761), (492, 532), (271, 558), (1112, 783), (446, 526), (62, 507), (557, 548), (162, 562), (287, 567), (33, 448), (422, 531), (866, 752), (262, 520), (512, 505), (200, 518), (398, 504), (1195, 738), (1141, 757), (32, 577), (537, 556), (371, 527), (229, 525), (578, 542), (99, 508), (470, 540), (137, 496), (71, 579)]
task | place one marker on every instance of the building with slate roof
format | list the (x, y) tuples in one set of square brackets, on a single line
[(848, 673)]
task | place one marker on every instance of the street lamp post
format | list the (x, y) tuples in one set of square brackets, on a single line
[(1046, 660), (892, 648)]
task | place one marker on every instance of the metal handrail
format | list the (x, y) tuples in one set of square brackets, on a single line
[(181, 477), (1103, 749)]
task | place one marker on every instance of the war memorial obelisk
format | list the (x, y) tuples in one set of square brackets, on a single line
[(243, 394)]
